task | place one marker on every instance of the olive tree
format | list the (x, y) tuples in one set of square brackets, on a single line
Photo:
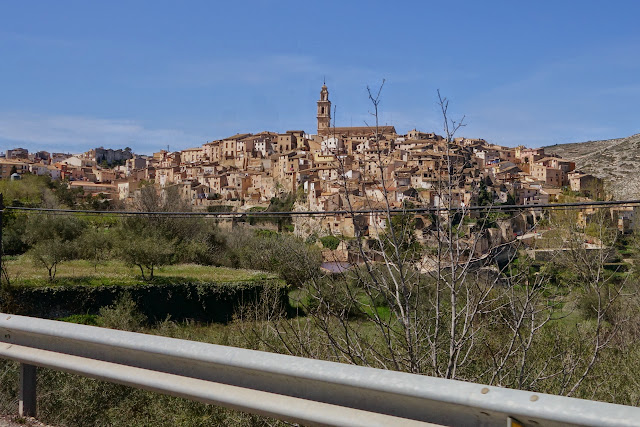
[(53, 239), (146, 250), (154, 237), (96, 245)]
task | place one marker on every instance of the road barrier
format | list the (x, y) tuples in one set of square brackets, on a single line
[(312, 392)]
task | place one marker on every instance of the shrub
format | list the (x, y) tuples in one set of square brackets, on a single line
[(591, 300), (123, 315), (81, 319), (286, 255), (330, 242)]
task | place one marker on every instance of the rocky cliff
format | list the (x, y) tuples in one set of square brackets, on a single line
[(617, 161)]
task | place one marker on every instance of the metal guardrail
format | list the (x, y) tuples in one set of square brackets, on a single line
[(312, 392)]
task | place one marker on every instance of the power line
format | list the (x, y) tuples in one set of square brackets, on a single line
[(231, 215)]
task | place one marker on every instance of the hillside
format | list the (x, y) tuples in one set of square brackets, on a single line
[(617, 161)]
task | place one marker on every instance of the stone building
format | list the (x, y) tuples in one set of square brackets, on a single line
[(352, 132), (109, 155)]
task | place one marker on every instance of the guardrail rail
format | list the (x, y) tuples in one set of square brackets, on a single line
[(312, 392)]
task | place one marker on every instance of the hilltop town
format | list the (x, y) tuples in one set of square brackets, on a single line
[(337, 168)]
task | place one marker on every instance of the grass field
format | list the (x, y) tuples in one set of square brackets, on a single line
[(22, 271)]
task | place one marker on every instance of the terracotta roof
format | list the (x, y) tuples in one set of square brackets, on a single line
[(364, 130), (238, 136)]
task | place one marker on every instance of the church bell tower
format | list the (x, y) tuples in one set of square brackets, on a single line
[(324, 111)]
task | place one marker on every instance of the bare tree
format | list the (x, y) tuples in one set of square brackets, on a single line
[(446, 300), (587, 246)]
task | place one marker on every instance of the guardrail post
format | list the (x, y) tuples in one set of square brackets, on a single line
[(1, 253), (27, 405)]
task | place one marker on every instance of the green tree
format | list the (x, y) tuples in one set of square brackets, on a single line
[(53, 239), (66, 196), (282, 204), (286, 255), (31, 191), (14, 224), (96, 245), (165, 200), (147, 251), (404, 226), (151, 240), (485, 198), (330, 242)]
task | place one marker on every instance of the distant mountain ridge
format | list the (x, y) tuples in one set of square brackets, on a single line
[(617, 161)]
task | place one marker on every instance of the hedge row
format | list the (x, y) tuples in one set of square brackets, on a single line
[(210, 302)]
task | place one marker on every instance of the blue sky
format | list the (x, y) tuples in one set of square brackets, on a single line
[(147, 74)]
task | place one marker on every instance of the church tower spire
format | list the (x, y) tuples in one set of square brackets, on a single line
[(324, 111)]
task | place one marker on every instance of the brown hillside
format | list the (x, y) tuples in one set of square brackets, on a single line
[(617, 161)]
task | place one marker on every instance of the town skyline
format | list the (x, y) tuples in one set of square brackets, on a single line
[(332, 169)]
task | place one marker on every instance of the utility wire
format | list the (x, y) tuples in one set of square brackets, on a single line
[(554, 206)]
